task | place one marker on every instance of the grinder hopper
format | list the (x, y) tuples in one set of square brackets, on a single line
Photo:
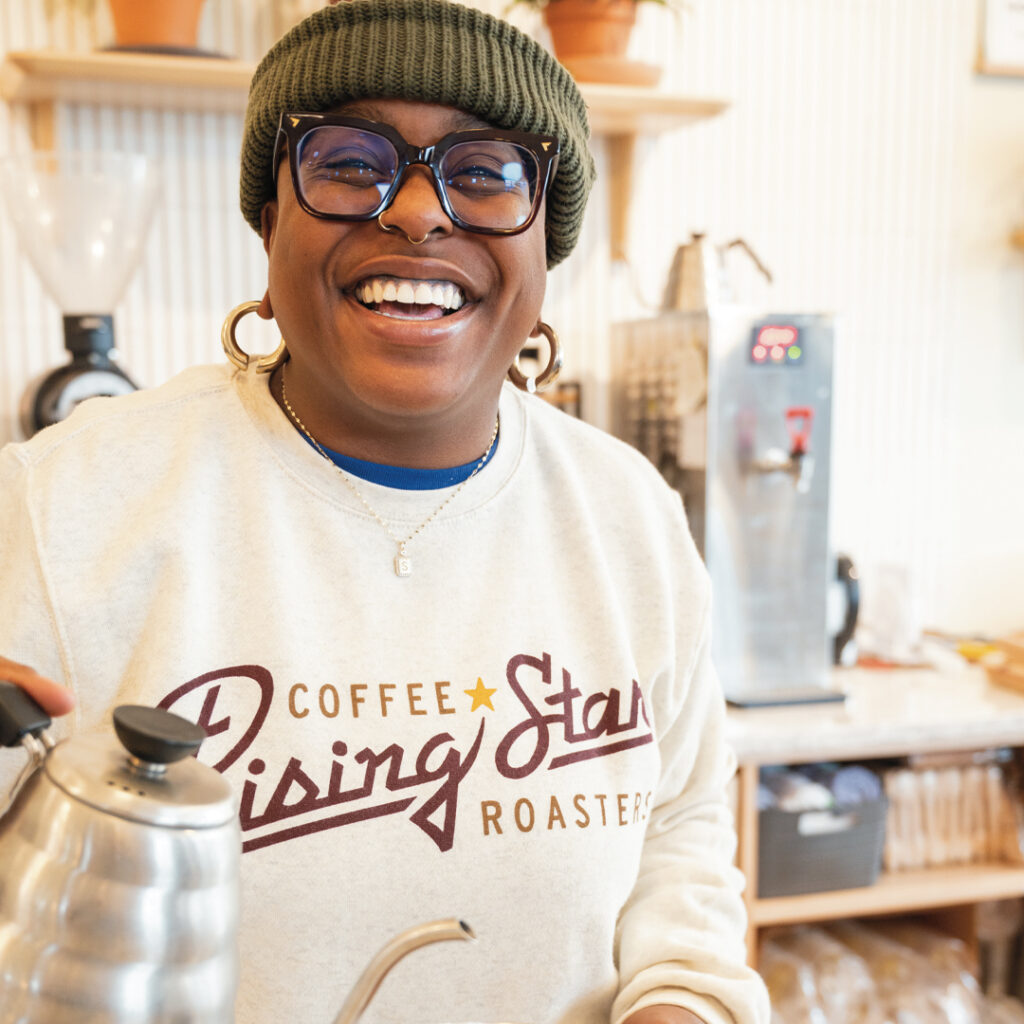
[(81, 219)]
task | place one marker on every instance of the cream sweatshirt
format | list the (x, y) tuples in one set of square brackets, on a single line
[(526, 733)]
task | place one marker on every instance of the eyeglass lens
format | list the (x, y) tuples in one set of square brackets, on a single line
[(488, 183)]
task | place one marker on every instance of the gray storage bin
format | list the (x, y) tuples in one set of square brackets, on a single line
[(819, 851)]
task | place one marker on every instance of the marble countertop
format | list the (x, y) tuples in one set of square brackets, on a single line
[(887, 713)]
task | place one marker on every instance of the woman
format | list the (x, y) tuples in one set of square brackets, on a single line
[(450, 645)]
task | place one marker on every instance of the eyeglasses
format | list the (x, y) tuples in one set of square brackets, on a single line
[(487, 180)]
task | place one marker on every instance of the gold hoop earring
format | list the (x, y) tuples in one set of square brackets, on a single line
[(391, 229), (237, 355), (547, 377)]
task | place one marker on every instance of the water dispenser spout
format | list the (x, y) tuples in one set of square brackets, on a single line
[(798, 461)]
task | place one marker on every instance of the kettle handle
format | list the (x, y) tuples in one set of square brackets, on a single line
[(846, 573), (20, 715), (753, 256)]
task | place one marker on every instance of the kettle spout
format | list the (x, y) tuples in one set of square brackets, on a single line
[(369, 981)]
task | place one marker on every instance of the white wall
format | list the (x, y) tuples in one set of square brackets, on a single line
[(880, 177), (861, 156)]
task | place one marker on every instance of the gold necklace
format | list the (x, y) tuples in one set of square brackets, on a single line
[(403, 563)]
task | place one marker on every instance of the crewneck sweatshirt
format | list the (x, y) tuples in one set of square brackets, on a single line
[(525, 733)]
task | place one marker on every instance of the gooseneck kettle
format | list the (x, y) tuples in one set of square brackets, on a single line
[(119, 879), (119, 867)]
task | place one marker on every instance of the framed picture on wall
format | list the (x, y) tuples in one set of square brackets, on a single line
[(1001, 42)]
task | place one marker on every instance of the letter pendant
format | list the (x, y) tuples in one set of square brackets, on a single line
[(403, 563)]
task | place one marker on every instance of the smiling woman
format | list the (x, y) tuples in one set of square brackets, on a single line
[(450, 645), (400, 381)]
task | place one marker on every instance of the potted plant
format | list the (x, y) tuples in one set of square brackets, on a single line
[(156, 24), (170, 26), (590, 37)]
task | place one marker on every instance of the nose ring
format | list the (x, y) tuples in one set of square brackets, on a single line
[(390, 229)]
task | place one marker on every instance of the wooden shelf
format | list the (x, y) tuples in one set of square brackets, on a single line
[(42, 79), (210, 83), (631, 110), (886, 714), (905, 892)]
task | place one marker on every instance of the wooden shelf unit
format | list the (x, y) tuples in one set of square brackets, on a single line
[(43, 79), (886, 715), (950, 890), (908, 892)]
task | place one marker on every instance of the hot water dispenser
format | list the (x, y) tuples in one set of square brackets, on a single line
[(735, 409)]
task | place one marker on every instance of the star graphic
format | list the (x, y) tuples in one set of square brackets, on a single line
[(481, 695)]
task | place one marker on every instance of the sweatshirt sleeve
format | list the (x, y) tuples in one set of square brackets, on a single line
[(29, 630), (680, 938)]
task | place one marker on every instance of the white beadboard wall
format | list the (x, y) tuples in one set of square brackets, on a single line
[(862, 157)]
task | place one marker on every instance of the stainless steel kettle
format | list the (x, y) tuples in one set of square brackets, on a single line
[(698, 279), (119, 875)]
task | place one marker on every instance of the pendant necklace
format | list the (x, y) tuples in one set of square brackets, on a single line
[(403, 562)]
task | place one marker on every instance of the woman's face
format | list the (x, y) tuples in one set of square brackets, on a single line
[(417, 372)]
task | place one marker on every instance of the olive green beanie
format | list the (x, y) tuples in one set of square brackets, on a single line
[(434, 51)]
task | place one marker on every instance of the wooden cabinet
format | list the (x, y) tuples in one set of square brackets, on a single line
[(887, 714), (44, 79)]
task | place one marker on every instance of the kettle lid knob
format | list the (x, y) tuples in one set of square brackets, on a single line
[(155, 735)]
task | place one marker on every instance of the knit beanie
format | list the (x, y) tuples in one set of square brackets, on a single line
[(433, 51)]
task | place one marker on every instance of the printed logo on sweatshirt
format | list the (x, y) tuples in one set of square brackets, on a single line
[(558, 726)]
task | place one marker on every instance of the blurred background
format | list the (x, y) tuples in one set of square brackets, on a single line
[(862, 155)]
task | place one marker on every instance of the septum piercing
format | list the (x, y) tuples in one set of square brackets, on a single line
[(391, 229)]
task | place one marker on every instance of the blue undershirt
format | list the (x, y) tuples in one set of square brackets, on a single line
[(404, 478)]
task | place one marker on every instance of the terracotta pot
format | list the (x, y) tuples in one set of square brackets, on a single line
[(589, 28), (164, 23)]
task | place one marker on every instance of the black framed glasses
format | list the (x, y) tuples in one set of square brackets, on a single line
[(345, 168)]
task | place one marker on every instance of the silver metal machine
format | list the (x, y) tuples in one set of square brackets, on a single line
[(734, 408)]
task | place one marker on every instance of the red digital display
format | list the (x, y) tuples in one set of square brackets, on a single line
[(773, 336), (776, 344)]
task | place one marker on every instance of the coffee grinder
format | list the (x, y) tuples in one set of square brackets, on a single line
[(82, 220)]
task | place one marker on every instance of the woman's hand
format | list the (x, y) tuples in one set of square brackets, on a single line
[(52, 697), (663, 1014)]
